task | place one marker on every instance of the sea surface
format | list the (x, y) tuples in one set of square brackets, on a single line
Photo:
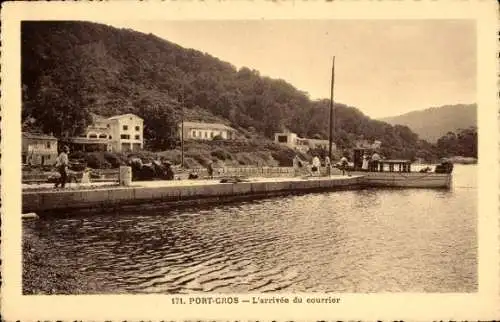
[(373, 240)]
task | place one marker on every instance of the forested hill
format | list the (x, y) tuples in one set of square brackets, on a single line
[(432, 123), (70, 69)]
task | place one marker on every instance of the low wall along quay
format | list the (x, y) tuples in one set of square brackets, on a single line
[(176, 192)]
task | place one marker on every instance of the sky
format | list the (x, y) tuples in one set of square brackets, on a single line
[(382, 67)]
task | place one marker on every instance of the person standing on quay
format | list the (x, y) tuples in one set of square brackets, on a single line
[(344, 163), (365, 163), (316, 164), (210, 170), (296, 165), (375, 161), (62, 163), (328, 165)]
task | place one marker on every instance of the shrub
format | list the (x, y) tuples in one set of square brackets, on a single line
[(77, 155), (284, 157), (112, 159), (96, 160), (245, 158), (218, 137), (201, 157), (221, 154)]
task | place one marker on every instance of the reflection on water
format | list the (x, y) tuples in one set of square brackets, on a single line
[(413, 240)]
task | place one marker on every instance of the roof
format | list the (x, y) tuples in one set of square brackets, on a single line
[(123, 115), (200, 125), (319, 141), (87, 140), (96, 117), (38, 136)]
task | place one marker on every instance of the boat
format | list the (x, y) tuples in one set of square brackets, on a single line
[(401, 173), (391, 173)]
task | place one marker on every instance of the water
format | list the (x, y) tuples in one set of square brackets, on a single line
[(413, 240)]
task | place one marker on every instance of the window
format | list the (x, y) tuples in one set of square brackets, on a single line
[(137, 128), (92, 136), (107, 125), (125, 127), (48, 145), (137, 137), (125, 137), (211, 134), (110, 137), (206, 135), (103, 136), (282, 138), (194, 134)]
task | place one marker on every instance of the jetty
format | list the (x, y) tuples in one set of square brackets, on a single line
[(101, 197)]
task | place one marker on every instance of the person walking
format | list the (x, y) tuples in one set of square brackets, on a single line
[(62, 163)]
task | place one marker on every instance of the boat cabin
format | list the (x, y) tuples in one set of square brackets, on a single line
[(381, 165)]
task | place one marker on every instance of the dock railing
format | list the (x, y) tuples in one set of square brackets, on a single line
[(110, 175), (244, 172)]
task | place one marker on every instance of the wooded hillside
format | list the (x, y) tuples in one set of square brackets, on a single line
[(70, 69)]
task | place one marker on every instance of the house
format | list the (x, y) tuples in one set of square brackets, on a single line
[(126, 133), (365, 144), (295, 142), (289, 139), (319, 144), (120, 133), (38, 149), (206, 131)]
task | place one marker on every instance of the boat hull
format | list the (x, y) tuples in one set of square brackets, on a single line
[(406, 180)]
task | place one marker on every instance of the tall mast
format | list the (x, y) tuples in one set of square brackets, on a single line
[(331, 112), (182, 127)]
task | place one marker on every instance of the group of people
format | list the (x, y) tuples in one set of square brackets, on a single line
[(314, 169), (371, 163)]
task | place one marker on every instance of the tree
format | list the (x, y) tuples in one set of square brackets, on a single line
[(54, 112), (160, 123)]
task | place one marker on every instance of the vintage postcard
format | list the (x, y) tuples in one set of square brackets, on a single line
[(230, 160)]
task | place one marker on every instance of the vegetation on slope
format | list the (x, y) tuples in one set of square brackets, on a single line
[(70, 69), (199, 154)]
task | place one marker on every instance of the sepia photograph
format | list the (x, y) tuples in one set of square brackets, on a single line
[(247, 160)]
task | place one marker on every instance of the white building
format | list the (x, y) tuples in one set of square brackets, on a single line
[(206, 131), (293, 141), (120, 133), (126, 132), (366, 144)]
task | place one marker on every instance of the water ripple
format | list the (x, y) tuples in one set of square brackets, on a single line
[(349, 241)]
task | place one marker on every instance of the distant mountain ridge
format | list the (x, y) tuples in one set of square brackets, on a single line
[(432, 123)]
